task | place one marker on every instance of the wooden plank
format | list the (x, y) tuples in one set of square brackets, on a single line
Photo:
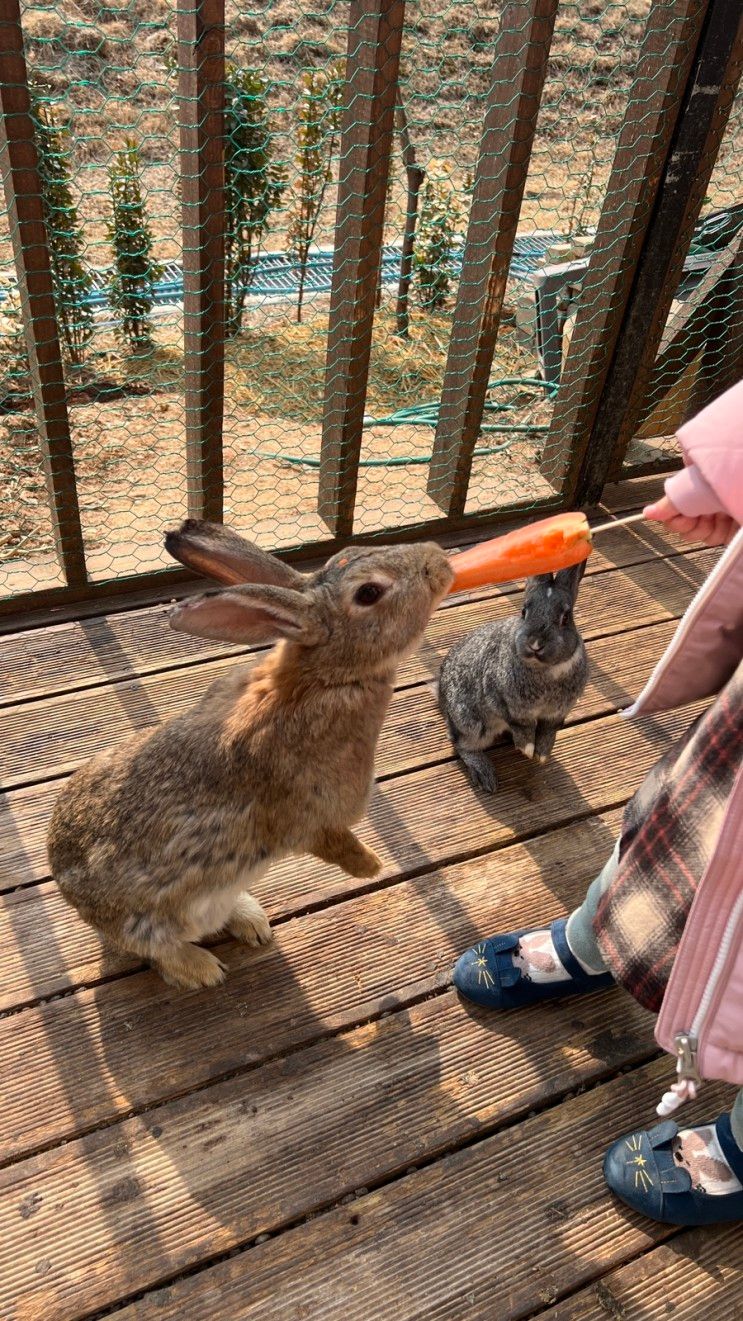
[(414, 736), (373, 54), (20, 170), (138, 1204), (24, 818), (70, 955), (86, 653), (671, 35), (49, 738), (34, 609), (599, 765), (522, 50), (386, 949), (201, 94), (631, 493), (698, 1274), (702, 120)]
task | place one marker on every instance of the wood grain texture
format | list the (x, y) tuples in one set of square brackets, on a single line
[(709, 321), (698, 1274), (147, 1132), (132, 1042), (33, 968), (49, 738), (201, 68), (86, 652), (403, 806), (704, 114), (122, 1208), (498, 1230), (372, 58), (653, 592), (660, 79), (19, 167), (521, 54)]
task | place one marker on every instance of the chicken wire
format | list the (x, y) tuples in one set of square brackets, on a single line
[(105, 94)]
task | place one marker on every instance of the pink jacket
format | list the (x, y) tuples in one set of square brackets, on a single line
[(701, 1019)]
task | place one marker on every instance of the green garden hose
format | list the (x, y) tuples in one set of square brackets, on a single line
[(427, 415)]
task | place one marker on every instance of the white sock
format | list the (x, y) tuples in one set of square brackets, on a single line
[(698, 1151), (538, 960)]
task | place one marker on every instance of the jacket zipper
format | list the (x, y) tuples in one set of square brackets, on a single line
[(688, 619), (689, 1079)]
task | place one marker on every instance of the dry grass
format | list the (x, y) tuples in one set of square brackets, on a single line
[(108, 66), (130, 452)]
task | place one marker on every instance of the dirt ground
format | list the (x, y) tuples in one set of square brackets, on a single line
[(110, 66), (130, 453)]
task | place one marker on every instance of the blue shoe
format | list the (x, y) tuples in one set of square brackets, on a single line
[(641, 1171), (485, 974)]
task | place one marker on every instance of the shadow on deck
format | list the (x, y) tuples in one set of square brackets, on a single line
[(332, 1133)]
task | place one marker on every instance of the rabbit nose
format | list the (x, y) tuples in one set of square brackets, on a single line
[(534, 645)]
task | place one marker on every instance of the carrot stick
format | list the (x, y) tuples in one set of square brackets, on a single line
[(544, 547)]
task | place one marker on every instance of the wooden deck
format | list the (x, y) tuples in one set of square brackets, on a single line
[(332, 1134)]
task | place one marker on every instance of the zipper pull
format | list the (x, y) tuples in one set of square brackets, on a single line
[(687, 1073)]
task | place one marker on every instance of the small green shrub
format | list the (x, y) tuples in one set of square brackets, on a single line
[(254, 185), (132, 293), (318, 124), (14, 368), (436, 240), (71, 281)]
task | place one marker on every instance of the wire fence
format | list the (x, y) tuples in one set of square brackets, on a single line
[(351, 272)]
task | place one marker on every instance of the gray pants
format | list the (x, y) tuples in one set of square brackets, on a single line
[(583, 943)]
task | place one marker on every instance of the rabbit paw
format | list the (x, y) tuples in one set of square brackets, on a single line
[(481, 772), (191, 967), (365, 863), (248, 922)]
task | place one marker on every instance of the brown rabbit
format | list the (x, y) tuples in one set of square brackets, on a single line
[(155, 843)]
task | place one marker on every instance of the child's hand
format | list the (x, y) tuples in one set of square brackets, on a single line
[(712, 529)]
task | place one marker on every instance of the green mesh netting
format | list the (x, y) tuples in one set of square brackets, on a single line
[(104, 84)]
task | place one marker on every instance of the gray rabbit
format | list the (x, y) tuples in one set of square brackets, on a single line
[(520, 675)]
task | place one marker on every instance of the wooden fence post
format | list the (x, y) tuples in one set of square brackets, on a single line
[(661, 76), (201, 70), (20, 170), (516, 85), (374, 37), (696, 142)]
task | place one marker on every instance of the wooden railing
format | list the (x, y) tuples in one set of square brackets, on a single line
[(688, 69)]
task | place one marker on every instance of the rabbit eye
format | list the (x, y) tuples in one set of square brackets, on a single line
[(523, 612), (564, 618), (368, 594)]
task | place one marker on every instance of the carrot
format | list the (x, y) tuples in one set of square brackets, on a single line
[(543, 547)]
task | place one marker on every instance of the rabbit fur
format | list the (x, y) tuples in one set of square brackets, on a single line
[(519, 676), (156, 842)]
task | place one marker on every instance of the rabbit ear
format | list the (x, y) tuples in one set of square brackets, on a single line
[(570, 579), (217, 552), (539, 580), (250, 614)]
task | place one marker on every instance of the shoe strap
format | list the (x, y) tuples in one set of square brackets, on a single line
[(566, 956), (730, 1149)]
